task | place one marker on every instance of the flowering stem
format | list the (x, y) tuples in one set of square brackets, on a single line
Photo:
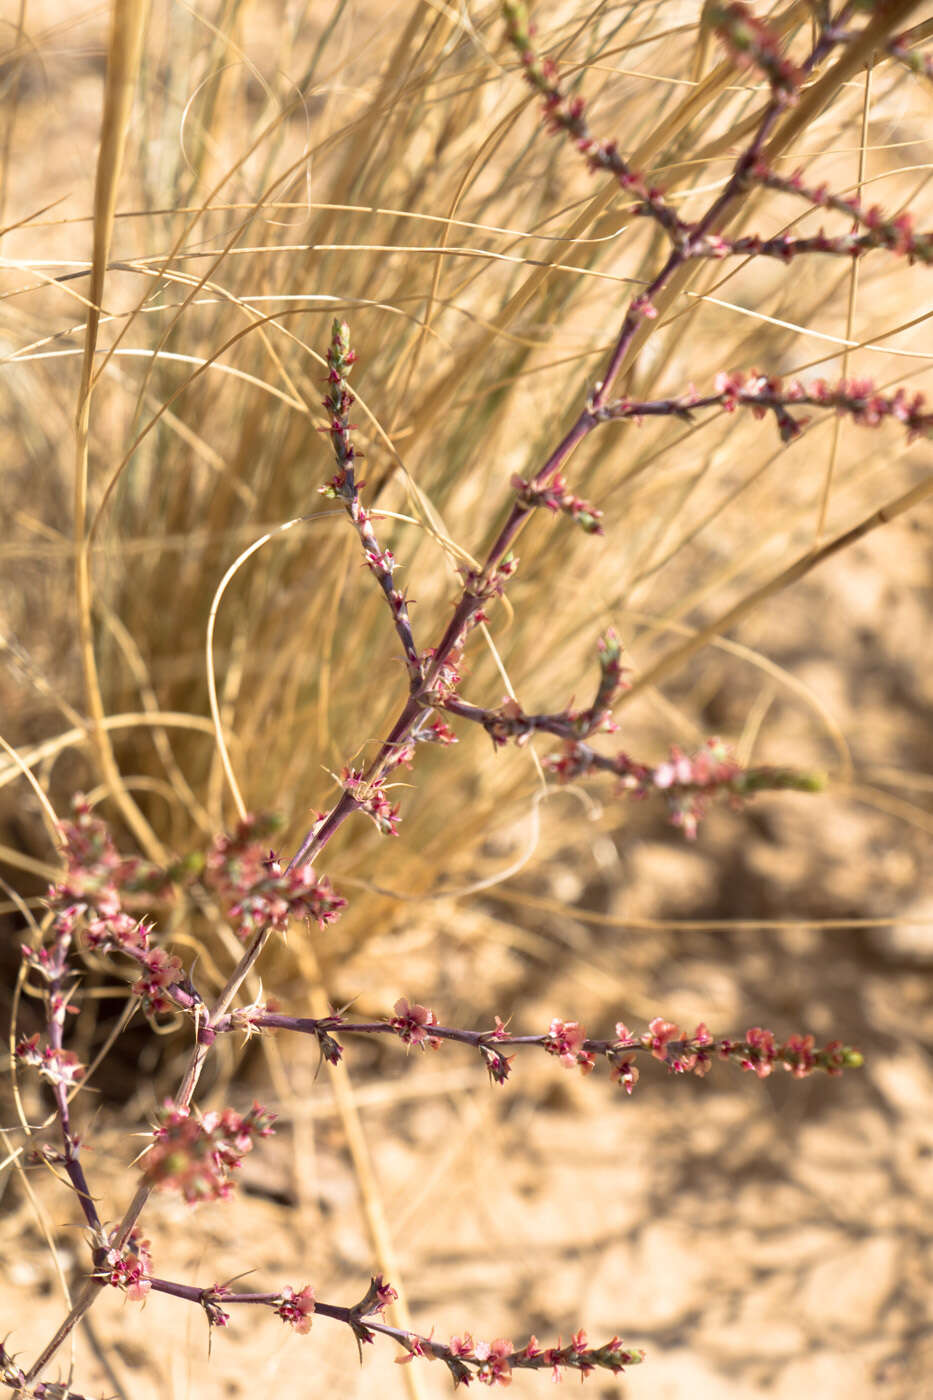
[(757, 1050), (345, 487), (489, 1362)]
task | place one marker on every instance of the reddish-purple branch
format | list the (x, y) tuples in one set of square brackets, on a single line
[(758, 1050), (345, 487), (490, 1363), (859, 399)]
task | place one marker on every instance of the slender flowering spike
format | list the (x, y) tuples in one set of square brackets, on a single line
[(751, 41), (681, 1053), (688, 783), (857, 399), (566, 114), (491, 1363), (344, 487)]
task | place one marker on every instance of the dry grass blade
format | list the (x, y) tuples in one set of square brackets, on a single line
[(124, 53)]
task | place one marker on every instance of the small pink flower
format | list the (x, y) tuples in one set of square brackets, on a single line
[(566, 1042), (413, 1023), (297, 1309), (624, 1072), (797, 1054), (129, 1271), (660, 1032), (762, 1052), (496, 1367)]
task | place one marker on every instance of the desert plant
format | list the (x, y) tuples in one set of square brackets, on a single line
[(90, 908)]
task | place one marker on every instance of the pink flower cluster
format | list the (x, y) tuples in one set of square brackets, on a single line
[(130, 1269), (55, 1066), (498, 1065), (340, 359), (91, 892), (687, 782), (478, 583), (296, 1308), (195, 1154), (371, 798), (752, 42), (565, 1040), (558, 497), (92, 886), (690, 783), (492, 1363), (258, 892), (667, 1043), (413, 1025)]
